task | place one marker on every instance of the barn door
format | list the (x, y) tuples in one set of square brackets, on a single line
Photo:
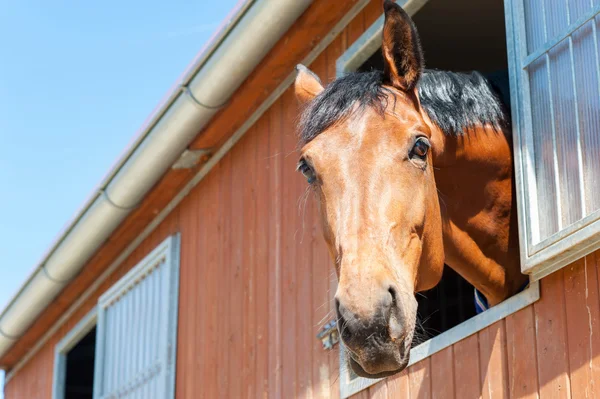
[(137, 330), (554, 61)]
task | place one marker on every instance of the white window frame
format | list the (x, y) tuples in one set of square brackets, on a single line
[(359, 52), (571, 242), (64, 347), (167, 250)]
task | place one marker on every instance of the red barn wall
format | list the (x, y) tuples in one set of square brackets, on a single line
[(550, 349), (256, 284)]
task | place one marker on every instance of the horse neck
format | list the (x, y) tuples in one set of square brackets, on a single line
[(474, 177)]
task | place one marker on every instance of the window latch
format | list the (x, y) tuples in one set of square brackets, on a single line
[(329, 335)]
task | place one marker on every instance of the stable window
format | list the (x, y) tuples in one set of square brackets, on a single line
[(137, 329), (74, 361), (555, 82), (446, 28), (126, 346)]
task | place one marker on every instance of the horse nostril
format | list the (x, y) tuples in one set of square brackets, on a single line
[(396, 330), (392, 292), (337, 308), (342, 323)]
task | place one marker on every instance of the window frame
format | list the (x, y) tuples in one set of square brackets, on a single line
[(83, 327), (571, 242), (168, 251), (350, 60)]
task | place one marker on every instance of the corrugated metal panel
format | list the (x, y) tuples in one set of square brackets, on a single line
[(562, 65), (136, 332)]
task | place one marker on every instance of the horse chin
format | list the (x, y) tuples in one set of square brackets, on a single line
[(377, 370), (360, 371)]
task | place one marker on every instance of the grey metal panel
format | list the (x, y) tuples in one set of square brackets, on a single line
[(140, 309), (560, 37), (556, 81)]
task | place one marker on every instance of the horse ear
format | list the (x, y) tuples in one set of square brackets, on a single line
[(402, 52), (307, 84)]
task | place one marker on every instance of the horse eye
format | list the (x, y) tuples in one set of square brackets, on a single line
[(420, 148), (306, 171)]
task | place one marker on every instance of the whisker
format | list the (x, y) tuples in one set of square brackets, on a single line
[(290, 153), (272, 156)]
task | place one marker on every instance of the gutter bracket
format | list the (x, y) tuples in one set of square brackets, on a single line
[(191, 158), (8, 336), (186, 91)]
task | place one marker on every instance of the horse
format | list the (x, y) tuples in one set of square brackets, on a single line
[(411, 170)]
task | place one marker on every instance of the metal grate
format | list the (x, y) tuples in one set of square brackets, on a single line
[(137, 330)]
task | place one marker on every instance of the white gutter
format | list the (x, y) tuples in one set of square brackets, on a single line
[(249, 34)]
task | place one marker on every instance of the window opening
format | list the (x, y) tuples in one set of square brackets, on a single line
[(79, 378)]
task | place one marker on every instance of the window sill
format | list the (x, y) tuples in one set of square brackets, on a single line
[(349, 387)]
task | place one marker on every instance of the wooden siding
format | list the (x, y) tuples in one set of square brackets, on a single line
[(256, 284), (297, 43), (550, 349)]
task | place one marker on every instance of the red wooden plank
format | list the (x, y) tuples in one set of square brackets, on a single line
[(186, 324), (364, 394), (399, 385), (442, 370), (521, 352), (583, 330), (420, 379), (355, 28), (224, 282), (235, 270), (263, 235), (201, 335), (212, 294), (372, 11), (248, 275), (551, 337), (275, 250), (379, 390), (492, 362), (289, 228), (466, 368), (183, 323)]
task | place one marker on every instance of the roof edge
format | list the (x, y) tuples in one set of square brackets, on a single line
[(251, 29)]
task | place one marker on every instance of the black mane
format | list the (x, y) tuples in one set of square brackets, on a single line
[(455, 102)]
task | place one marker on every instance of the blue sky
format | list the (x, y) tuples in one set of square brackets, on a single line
[(77, 79)]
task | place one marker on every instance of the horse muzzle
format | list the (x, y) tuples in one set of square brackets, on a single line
[(377, 338)]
